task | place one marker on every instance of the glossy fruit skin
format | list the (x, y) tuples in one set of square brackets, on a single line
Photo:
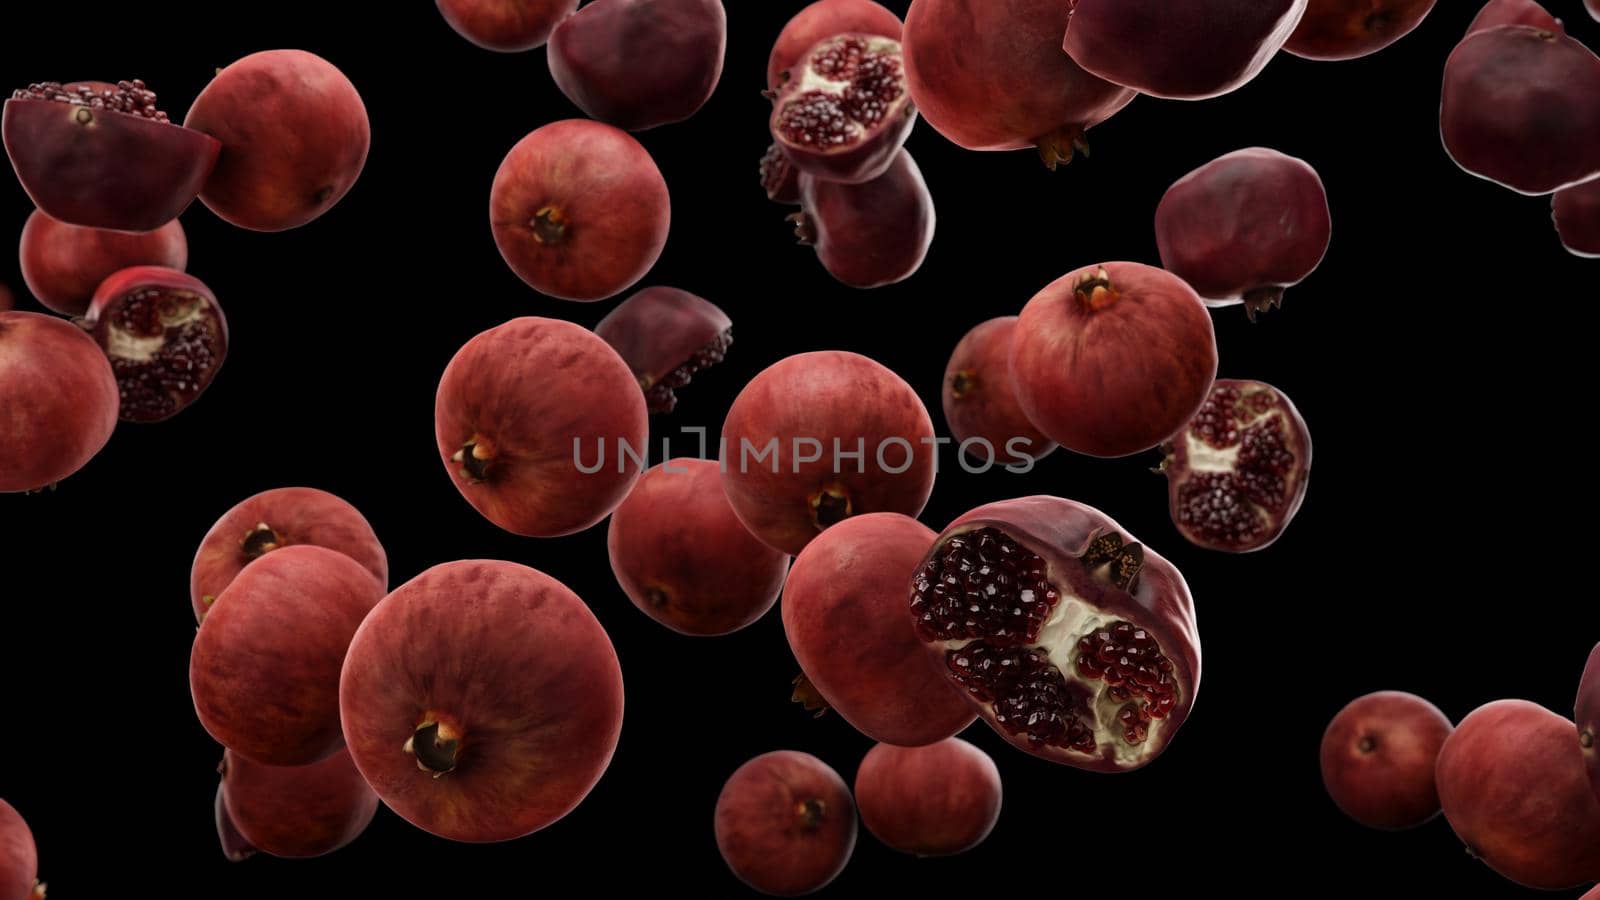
[(59, 396), (1112, 359), (506, 661), (264, 670), (787, 500), (63, 264), (519, 406), (19, 859), (684, 558), (639, 64), (990, 75), (666, 336), (844, 614), (820, 21), (785, 823), (1378, 758), (1514, 12), (825, 90), (272, 520), (937, 800), (1243, 227), (186, 324), (873, 234), (579, 210), (296, 812), (1351, 29), (1587, 716), (506, 26), (1576, 211), (980, 400), (1512, 782)]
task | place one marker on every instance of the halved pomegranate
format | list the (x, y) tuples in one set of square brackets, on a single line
[(666, 336), (844, 111), (165, 335)]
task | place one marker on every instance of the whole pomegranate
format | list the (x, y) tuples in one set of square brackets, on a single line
[(19, 859), (785, 823), (937, 800), (63, 264), (980, 399), (1351, 29), (165, 335), (1576, 211), (844, 112), (872, 234), (1378, 758), (60, 400), (819, 21)]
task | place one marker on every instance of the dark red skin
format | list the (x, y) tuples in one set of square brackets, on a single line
[(1521, 108), (845, 617), (990, 75), (579, 210), (1351, 29), (779, 178), (294, 135), (234, 846), (63, 264), (937, 800), (296, 812), (1513, 786), (1112, 359), (870, 147), (58, 400), (1378, 757), (506, 661), (824, 396), (873, 234), (1180, 51), (684, 558), (638, 64), (980, 401), (820, 21), (506, 26), (264, 670), (1587, 716), (1594, 8), (1514, 12), (785, 823), (272, 520), (1244, 227), (1576, 211), (658, 332), (511, 405), (19, 859), (188, 322)]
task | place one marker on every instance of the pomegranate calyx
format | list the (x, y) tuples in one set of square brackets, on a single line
[(1060, 147), (809, 698), (804, 229), (260, 541), (830, 506), (811, 813), (549, 225), (1094, 291), (1262, 300), (436, 746)]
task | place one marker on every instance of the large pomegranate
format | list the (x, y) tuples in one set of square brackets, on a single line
[(1576, 212)]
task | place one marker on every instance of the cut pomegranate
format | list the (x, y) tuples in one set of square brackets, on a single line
[(666, 336), (844, 111), (1514, 12), (165, 335)]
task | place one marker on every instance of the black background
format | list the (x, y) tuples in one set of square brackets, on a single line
[(1430, 354)]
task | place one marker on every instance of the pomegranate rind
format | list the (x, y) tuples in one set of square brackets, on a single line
[(820, 21), (1587, 716), (1514, 12), (1334, 30), (1576, 212), (234, 845), (873, 234)]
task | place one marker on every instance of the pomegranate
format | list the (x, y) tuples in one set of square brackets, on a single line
[(1512, 783), (1514, 12), (579, 210), (819, 437), (59, 396), (820, 21), (844, 111), (785, 823), (296, 812), (19, 859), (980, 400), (1244, 227), (1587, 716), (1237, 473), (165, 335), (868, 235), (521, 411), (1113, 359), (63, 264), (1594, 8), (1351, 29), (103, 155), (937, 800), (666, 336), (235, 848), (1075, 642), (991, 76), (506, 26), (481, 700), (638, 64), (1577, 215), (1378, 758), (779, 178)]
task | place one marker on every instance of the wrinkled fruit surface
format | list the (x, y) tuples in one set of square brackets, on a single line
[(868, 235), (937, 800), (785, 823), (1587, 716), (296, 812), (820, 21), (1378, 758), (165, 335), (666, 336), (638, 64), (1576, 211), (19, 859), (844, 111), (506, 26), (980, 401), (1350, 29), (63, 264), (58, 400)]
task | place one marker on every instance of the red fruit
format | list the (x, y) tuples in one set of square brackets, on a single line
[(1594, 8), (819, 437), (638, 64), (272, 520), (1244, 227), (1514, 12), (991, 76), (844, 613), (1181, 51), (579, 210), (684, 558), (1587, 715), (1513, 786), (844, 111), (779, 178), (165, 335), (63, 264), (1351, 29), (1237, 474), (666, 336), (103, 156), (980, 401), (1577, 215), (540, 425), (508, 26), (868, 235), (822, 20), (264, 670), (296, 812), (1378, 757), (482, 700), (234, 846), (19, 859), (1522, 109), (785, 823), (1112, 359), (937, 800), (59, 398), (1075, 643)]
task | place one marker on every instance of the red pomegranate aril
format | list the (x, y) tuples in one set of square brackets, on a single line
[(666, 336), (822, 20), (165, 335), (1576, 211), (1514, 12), (506, 26), (60, 397), (63, 264), (294, 812), (844, 112), (937, 800), (785, 823), (639, 64), (1378, 757), (1351, 29), (1587, 716), (868, 235)]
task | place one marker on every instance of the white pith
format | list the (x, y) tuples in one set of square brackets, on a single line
[(120, 344), (809, 81), (1202, 457)]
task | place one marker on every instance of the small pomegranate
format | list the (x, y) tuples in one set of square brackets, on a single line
[(104, 155), (844, 112), (666, 336), (63, 264), (1237, 473), (1351, 29), (165, 335), (822, 20), (1242, 228), (1576, 211), (294, 812), (1514, 12), (1075, 642), (638, 64), (779, 178), (506, 26), (937, 800), (1378, 757), (19, 858), (868, 235), (980, 401), (1113, 359), (785, 823), (59, 397), (1587, 716)]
